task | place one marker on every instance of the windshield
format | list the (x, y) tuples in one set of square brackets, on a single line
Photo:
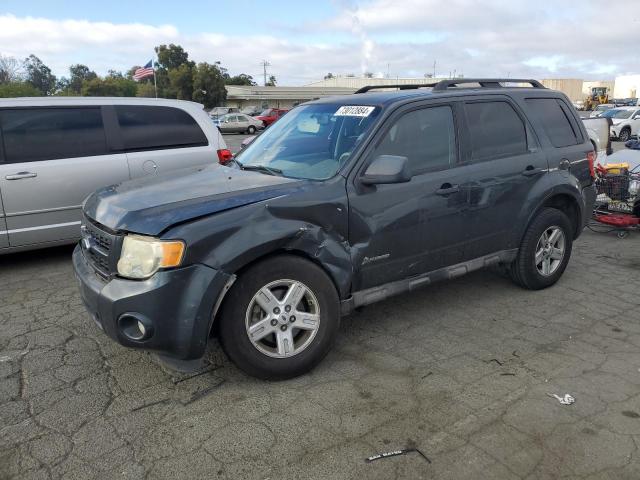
[(265, 113), (617, 113), (312, 141)]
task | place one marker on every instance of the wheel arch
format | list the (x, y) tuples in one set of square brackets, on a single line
[(566, 203)]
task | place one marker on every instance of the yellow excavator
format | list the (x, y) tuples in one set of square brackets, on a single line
[(599, 95)]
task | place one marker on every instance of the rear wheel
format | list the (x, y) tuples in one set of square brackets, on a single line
[(280, 318), (545, 250), (251, 130), (625, 134)]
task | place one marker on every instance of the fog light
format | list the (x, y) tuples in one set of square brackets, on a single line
[(143, 331), (135, 327)]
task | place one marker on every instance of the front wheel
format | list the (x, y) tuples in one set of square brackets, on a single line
[(544, 252), (625, 135), (280, 318)]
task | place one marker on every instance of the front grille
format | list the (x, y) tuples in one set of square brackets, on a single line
[(100, 247)]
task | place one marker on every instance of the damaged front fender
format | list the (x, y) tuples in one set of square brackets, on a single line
[(312, 222)]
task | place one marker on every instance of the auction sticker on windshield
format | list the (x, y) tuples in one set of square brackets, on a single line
[(354, 111)]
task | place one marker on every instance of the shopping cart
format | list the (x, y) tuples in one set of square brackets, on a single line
[(617, 206)]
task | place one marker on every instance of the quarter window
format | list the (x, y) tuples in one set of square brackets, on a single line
[(554, 121), (34, 134), (149, 128), (495, 130), (426, 137)]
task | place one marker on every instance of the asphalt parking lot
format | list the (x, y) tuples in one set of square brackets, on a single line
[(461, 371)]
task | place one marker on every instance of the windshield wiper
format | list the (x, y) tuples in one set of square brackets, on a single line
[(262, 168)]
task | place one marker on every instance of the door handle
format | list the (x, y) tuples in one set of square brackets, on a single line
[(21, 175), (530, 171), (447, 189)]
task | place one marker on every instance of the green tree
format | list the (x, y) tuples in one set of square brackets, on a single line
[(109, 87), (39, 75), (18, 89), (145, 89), (242, 79), (172, 56), (272, 81), (208, 85), (181, 82), (78, 74)]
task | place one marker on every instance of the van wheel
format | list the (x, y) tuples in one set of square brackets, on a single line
[(251, 130), (625, 134), (544, 252), (280, 318)]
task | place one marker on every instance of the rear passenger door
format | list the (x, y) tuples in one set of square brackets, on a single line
[(565, 143), (158, 139), (4, 236), (54, 158), (504, 164)]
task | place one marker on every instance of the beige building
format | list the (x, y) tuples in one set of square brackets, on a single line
[(278, 97)]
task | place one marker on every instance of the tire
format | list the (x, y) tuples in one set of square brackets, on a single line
[(525, 270), (251, 130), (267, 357), (625, 134)]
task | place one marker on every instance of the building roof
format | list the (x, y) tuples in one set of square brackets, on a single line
[(245, 92)]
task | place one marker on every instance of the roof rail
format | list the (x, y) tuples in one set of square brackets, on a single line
[(484, 82), (407, 86)]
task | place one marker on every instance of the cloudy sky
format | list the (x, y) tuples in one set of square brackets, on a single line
[(305, 40)]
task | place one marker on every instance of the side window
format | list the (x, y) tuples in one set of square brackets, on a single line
[(148, 128), (426, 137), (554, 121), (495, 130), (33, 134)]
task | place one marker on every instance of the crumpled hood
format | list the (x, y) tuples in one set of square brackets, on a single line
[(150, 205)]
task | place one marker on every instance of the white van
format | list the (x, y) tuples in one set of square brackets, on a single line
[(55, 151)]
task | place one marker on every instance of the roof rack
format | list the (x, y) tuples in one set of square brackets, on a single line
[(485, 82), (454, 82), (408, 86)]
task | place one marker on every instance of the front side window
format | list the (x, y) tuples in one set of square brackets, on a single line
[(33, 134), (495, 130), (426, 137), (150, 127), (312, 141)]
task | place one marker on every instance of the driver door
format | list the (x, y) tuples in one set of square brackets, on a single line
[(404, 229)]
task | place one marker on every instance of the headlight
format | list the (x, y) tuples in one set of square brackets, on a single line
[(141, 256)]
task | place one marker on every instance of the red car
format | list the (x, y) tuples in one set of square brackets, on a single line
[(270, 115)]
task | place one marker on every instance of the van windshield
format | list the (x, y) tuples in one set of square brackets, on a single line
[(312, 141)]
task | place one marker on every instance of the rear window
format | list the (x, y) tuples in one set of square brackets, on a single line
[(149, 128), (554, 120), (495, 130), (34, 134)]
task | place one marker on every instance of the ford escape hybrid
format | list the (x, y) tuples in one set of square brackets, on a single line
[(343, 202), (54, 151)]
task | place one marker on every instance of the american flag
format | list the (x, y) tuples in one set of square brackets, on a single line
[(144, 72)]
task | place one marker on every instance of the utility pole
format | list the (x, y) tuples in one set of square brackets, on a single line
[(265, 64)]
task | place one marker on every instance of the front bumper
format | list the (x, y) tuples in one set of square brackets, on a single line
[(178, 304)]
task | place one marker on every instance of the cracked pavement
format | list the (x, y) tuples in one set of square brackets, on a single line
[(460, 370)]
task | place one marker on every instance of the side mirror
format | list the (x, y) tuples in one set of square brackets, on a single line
[(387, 169)]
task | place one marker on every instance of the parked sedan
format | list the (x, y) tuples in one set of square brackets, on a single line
[(238, 123), (271, 115)]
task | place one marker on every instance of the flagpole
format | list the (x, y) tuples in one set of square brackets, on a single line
[(155, 85)]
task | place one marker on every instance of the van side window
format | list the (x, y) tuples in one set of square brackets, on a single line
[(495, 130), (426, 137), (34, 134), (150, 128), (552, 117)]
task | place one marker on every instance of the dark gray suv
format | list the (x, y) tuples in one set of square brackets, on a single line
[(342, 203)]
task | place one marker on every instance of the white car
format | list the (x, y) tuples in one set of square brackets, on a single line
[(626, 122)]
